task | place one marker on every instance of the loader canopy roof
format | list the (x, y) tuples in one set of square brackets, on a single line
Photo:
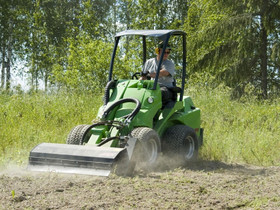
[(161, 34)]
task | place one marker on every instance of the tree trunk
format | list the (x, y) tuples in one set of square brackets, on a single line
[(46, 80), (263, 53), (3, 67), (32, 70), (34, 77), (8, 74), (9, 57), (8, 65)]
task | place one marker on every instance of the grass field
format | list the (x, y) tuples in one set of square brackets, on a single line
[(27, 120), (244, 131)]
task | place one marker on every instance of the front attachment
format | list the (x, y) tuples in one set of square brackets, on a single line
[(80, 159)]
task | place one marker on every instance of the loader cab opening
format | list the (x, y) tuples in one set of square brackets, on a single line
[(176, 37)]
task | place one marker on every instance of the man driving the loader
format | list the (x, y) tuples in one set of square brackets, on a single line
[(167, 71)]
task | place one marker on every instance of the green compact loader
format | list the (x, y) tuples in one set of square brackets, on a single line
[(134, 126)]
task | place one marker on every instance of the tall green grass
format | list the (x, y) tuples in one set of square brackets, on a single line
[(243, 131), (29, 119)]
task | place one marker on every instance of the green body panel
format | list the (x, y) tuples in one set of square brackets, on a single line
[(150, 115), (138, 89), (181, 113), (97, 134), (141, 90), (163, 121)]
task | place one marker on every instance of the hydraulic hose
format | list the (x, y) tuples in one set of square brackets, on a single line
[(109, 86), (121, 101), (128, 117)]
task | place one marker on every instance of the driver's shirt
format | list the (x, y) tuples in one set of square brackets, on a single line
[(151, 66)]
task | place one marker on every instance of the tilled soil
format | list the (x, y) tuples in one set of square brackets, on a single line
[(202, 185)]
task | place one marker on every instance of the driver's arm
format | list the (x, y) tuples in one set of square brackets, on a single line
[(162, 73)]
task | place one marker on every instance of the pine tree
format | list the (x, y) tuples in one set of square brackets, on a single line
[(232, 40)]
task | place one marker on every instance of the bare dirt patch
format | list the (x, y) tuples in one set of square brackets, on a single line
[(203, 185)]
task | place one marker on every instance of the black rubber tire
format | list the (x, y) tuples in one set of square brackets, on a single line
[(78, 135), (147, 148), (72, 137), (181, 143)]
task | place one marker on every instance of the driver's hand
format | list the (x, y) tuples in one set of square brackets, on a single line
[(143, 78)]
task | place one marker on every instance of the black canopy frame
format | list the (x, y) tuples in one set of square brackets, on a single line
[(163, 35)]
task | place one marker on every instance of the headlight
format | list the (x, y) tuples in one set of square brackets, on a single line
[(150, 100)]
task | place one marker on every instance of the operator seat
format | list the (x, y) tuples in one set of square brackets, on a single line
[(169, 95)]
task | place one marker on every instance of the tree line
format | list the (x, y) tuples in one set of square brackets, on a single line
[(68, 43)]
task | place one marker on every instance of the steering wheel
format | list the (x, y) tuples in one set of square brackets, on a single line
[(135, 75)]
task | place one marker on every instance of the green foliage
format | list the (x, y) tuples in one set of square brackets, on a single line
[(88, 64), (231, 40), (245, 130), (152, 14), (237, 42), (29, 119)]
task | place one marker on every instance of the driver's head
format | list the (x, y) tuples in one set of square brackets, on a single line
[(160, 48)]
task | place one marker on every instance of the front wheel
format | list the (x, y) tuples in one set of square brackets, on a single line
[(148, 146), (79, 135), (181, 143)]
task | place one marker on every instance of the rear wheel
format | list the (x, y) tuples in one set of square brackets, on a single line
[(147, 148), (180, 142), (78, 135)]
